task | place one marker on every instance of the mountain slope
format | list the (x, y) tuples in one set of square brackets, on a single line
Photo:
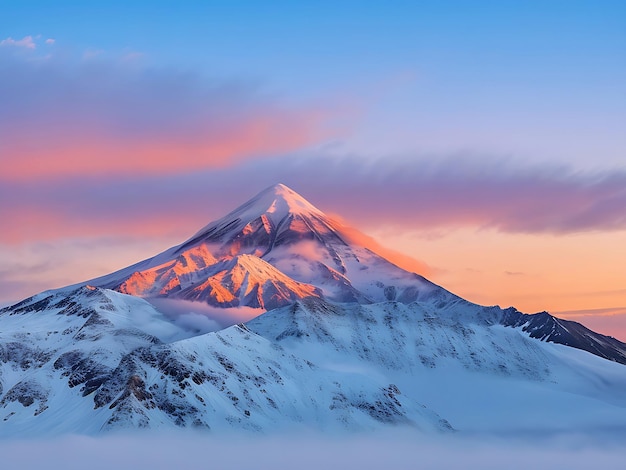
[(313, 364), (250, 281), (230, 282), (546, 327), (57, 348), (281, 228), (89, 368)]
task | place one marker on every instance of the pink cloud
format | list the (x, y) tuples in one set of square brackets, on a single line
[(87, 153), (96, 118), (98, 147), (27, 42), (608, 321), (406, 198), (431, 193)]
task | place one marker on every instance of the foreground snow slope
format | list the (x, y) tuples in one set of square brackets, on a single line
[(313, 364), (90, 368), (459, 361)]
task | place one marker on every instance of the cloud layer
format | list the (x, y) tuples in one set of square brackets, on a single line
[(94, 146), (202, 318), (398, 449), (61, 117), (416, 194), (608, 321), (27, 42)]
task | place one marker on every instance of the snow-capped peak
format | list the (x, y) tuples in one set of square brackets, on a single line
[(284, 230), (271, 206), (281, 200)]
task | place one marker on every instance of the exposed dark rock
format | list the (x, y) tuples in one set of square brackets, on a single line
[(26, 393), (81, 370), (23, 355), (546, 327)]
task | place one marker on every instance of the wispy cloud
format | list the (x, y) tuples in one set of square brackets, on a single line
[(598, 312), (60, 118), (413, 196), (103, 148), (28, 268), (596, 293), (424, 193), (27, 42), (201, 317), (609, 321)]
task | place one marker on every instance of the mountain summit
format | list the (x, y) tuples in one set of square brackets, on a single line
[(275, 217), (292, 250)]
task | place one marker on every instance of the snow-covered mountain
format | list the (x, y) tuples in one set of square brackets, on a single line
[(344, 340), (278, 247), (96, 360), (275, 248)]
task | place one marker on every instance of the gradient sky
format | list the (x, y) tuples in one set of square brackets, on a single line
[(486, 139)]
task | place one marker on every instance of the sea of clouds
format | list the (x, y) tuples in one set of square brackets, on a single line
[(304, 451)]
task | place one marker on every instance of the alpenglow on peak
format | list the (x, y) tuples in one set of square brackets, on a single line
[(277, 201), (311, 255)]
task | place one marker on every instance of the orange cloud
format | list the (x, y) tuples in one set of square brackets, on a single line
[(608, 321), (94, 154), (97, 117), (399, 259)]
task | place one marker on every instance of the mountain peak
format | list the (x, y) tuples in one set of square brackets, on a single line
[(271, 211), (279, 228), (279, 187), (279, 200)]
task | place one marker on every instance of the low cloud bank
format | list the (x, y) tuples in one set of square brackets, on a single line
[(200, 318), (397, 450)]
